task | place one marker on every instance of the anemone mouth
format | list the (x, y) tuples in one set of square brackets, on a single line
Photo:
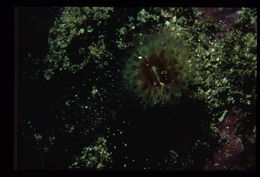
[(158, 72), (159, 69)]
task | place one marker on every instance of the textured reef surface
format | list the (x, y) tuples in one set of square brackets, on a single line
[(137, 88)]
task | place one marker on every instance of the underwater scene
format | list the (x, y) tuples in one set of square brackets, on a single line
[(138, 88)]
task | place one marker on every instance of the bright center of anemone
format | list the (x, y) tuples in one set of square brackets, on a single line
[(157, 77)]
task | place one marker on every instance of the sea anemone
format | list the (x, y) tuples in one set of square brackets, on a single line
[(159, 69)]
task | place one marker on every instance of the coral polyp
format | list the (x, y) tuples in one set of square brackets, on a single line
[(158, 70)]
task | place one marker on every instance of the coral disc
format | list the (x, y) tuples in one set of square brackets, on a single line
[(159, 70)]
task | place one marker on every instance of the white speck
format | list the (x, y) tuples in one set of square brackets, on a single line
[(100, 165), (239, 12), (167, 23), (81, 30), (216, 164), (228, 155), (90, 30), (94, 91), (254, 130), (47, 77), (174, 19)]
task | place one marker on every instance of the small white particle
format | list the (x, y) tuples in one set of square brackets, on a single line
[(167, 23), (90, 30), (174, 19), (81, 30)]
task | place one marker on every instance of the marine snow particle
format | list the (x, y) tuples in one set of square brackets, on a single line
[(158, 70)]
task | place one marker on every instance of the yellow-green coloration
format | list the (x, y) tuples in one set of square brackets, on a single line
[(159, 69)]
